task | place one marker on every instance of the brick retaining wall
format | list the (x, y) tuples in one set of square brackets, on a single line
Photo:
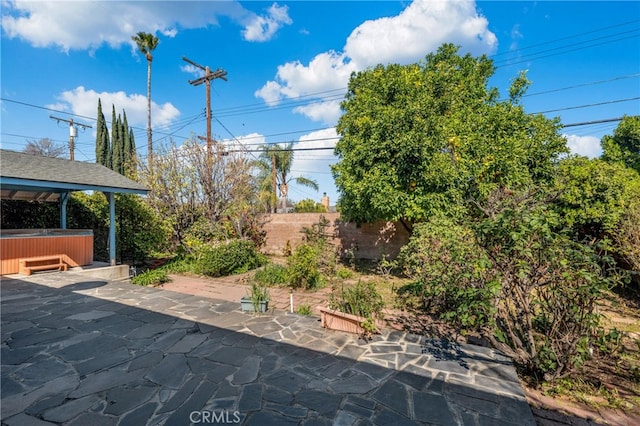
[(370, 241)]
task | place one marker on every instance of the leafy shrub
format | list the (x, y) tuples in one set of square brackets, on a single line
[(516, 276), (303, 266), (314, 260), (451, 274), (151, 277), (140, 231), (234, 257), (595, 195), (627, 243), (362, 299), (180, 264), (202, 232), (549, 287), (272, 275)]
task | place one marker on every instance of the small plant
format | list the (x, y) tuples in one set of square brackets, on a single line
[(151, 277), (350, 254), (609, 342), (362, 300), (258, 294), (304, 309), (344, 273), (369, 326), (272, 275), (287, 251), (385, 266)]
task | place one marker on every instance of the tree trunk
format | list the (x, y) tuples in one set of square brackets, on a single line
[(149, 138)]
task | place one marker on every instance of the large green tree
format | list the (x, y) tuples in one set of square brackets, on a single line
[(624, 145), (424, 139), (147, 43)]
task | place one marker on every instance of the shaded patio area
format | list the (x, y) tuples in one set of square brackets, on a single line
[(78, 351)]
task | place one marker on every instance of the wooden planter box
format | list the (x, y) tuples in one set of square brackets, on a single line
[(247, 305), (336, 320)]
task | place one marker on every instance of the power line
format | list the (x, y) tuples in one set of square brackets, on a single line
[(588, 123), (593, 83), (622, 24), (72, 132), (206, 79), (532, 58), (589, 105)]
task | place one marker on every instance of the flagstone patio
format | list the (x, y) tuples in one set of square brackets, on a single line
[(77, 351)]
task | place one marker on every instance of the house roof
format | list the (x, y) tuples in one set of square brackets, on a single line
[(26, 176)]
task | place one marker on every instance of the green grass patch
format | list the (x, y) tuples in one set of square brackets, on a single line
[(272, 275), (151, 277)]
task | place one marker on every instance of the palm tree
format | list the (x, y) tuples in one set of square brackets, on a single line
[(282, 159), (147, 43)]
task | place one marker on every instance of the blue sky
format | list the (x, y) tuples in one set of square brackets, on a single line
[(288, 65)]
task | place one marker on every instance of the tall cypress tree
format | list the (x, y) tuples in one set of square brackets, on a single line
[(129, 151), (103, 150), (126, 135), (132, 144), (117, 143), (107, 143)]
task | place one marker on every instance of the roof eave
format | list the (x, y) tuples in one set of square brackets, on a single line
[(30, 184)]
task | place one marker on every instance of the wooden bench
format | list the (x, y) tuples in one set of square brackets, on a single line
[(41, 263)]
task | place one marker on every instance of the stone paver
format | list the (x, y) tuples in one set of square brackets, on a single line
[(109, 353)]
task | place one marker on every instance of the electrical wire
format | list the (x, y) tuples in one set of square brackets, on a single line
[(336, 93), (588, 105)]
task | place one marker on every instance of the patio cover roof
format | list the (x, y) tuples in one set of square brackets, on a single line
[(34, 177)]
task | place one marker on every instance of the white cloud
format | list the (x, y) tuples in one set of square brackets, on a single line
[(419, 29), (271, 93), (248, 141), (84, 102), (80, 25), (516, 35), (406, 38), (263, 28), (191, 69), (589, 146), (315, 160), (327, 112)]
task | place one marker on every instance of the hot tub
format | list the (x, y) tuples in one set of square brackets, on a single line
[(74, 245)]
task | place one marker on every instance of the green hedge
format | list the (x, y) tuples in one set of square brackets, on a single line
[(234, 257)]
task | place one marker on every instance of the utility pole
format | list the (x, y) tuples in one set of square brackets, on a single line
[(219, 152), (275, 185), (206, 78), (72, 132)]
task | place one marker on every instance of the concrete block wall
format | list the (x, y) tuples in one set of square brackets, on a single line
[(368, 241)]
